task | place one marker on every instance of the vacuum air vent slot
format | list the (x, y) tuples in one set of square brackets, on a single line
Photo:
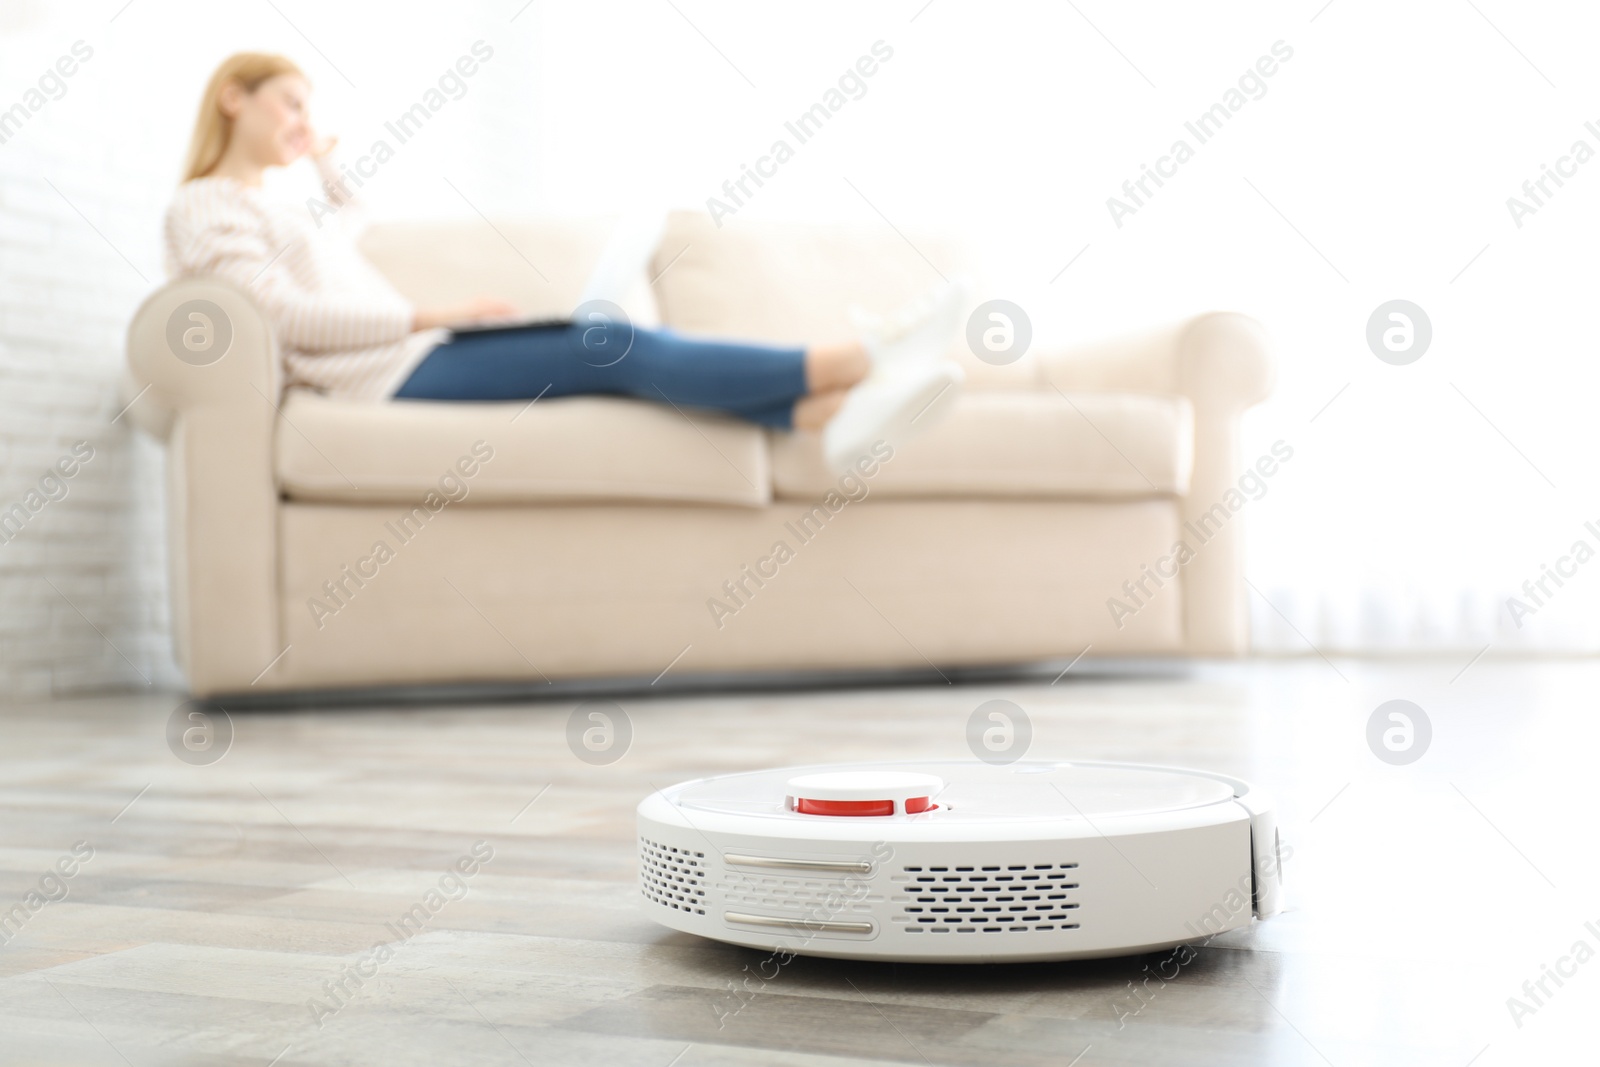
[(672, 877), (994, 899)]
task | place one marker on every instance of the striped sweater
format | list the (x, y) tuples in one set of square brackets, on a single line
[(341, 327)]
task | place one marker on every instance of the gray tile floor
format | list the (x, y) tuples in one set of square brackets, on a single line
[(238, 911)]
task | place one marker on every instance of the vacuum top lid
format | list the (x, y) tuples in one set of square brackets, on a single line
[(957, 791)]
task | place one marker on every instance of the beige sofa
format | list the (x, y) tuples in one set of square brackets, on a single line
[(316, 543)]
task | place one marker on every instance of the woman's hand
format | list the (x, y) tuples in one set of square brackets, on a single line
[(478, 309)]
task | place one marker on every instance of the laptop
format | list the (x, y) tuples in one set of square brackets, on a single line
[(621, 264)]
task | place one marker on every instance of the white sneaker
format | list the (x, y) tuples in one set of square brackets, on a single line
[(919, 332), (890, 407)]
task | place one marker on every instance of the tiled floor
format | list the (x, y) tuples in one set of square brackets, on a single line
[(224, 904)]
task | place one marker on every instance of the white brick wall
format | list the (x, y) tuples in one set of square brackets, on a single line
[(112, 145), (82, 586)]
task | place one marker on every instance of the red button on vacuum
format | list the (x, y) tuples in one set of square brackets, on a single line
[(806, 806), (871, 793)]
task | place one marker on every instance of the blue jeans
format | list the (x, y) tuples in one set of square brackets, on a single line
[(755, 382)]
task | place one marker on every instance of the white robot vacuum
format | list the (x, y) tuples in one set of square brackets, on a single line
[(960, 860)]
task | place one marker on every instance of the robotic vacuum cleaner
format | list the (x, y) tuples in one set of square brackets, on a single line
[(960, 860)]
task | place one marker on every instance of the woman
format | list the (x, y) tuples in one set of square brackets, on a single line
[(346, 331)]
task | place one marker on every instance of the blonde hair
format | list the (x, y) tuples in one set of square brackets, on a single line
[(213, 129)]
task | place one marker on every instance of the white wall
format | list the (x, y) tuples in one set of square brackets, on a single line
[(1377, 165), (91, 560)]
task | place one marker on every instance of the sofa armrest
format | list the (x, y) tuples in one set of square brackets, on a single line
[(1220, 360), (212, 385), (239, 352), (1223, 363)]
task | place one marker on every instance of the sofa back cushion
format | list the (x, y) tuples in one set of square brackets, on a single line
[(793, 283), (538, 264)]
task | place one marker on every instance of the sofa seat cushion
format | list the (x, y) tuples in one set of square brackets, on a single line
[(569, 449), (1020, 444)]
